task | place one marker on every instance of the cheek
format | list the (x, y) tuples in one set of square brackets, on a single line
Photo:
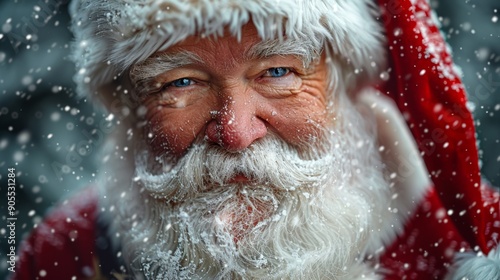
[(172, 132), (300, 120)]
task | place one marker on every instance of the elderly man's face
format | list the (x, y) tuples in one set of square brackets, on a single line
[(232, 93), (264, 181)]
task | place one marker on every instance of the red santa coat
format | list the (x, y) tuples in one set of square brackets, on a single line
[(457, 213)]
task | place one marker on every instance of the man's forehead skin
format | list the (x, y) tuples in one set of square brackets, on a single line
[(227, 43)]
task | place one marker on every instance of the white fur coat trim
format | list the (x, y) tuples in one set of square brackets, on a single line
[(470, 266), (404, 166)]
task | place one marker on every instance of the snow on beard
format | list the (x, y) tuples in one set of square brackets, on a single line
[(302, 213)]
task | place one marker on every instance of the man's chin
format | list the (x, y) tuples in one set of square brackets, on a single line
[(235, 209), (244, 230), (244, 212)]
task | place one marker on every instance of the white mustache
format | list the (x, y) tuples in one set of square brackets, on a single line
[(270, 161)]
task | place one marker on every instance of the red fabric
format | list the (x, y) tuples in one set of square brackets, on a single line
[(62, 247), (427, 246), (431, 97)]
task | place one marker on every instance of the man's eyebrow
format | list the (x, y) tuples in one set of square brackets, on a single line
[(279, 47), (161, 63)]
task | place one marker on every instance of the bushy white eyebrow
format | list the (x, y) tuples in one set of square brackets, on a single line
[(282, 47), (161, 63)]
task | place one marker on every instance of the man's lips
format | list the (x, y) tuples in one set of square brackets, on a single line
[(239, 178)]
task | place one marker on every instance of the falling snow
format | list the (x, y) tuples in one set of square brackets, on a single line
[(51, 136)]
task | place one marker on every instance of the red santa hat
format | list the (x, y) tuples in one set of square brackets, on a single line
[(111, 36), (426, 87)]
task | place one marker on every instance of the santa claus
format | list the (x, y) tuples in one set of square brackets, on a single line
[(272, 140)]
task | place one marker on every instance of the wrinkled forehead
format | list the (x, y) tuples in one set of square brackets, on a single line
[(249, 44), (248, 47)]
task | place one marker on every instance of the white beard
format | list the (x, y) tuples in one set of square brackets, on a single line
[(308, 215)]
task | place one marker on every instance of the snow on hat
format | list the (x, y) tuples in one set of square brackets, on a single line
[(428, 91), (113, 35)]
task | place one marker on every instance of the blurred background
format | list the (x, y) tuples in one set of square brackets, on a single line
[(46, 131)]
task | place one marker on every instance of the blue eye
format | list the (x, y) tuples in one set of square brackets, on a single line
[(183, 82), (278, 72)]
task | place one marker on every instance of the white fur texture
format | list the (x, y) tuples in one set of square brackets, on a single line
[(406, 168), (113, 35), (313, 225), (469, 266)]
